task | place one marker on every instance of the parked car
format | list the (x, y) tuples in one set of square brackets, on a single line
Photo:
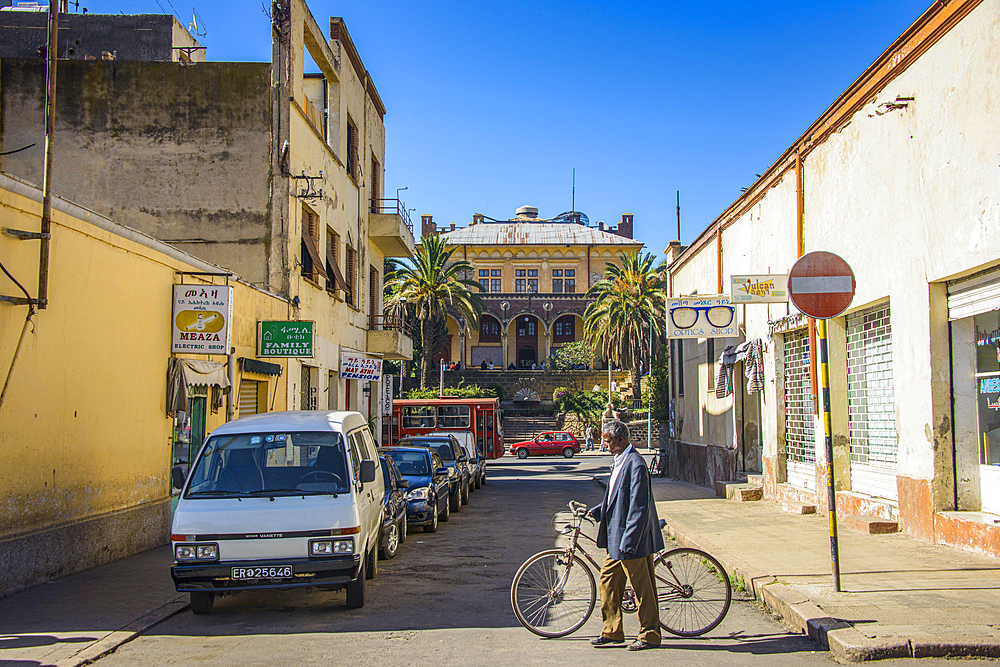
[(454, 458), (427, 493), (476, 463), (394, 517), (550, 442), (279, 500)]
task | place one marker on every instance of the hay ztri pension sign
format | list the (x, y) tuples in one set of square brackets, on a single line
[(277, 338)]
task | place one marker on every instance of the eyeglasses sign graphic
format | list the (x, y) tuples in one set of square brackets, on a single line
[(711, 316)]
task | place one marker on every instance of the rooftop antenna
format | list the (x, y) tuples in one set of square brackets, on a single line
[(573, 207), (678, 215), (193, 26)]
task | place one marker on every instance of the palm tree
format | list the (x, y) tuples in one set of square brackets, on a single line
[(627, 303), (430, 286)]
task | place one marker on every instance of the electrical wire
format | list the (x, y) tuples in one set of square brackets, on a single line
[(17, 150), (14, 280)]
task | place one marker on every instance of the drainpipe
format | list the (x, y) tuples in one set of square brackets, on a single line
[(799, 251), (51, 56), (233, 388)]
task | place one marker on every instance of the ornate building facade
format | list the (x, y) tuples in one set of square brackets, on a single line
[(534, 274)]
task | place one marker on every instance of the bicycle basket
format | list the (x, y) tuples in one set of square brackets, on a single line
[(563, 522)]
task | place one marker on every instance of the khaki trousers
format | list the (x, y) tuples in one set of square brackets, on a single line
[(639, 573)]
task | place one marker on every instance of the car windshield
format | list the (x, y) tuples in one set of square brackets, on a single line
[(411, 463), (270, 464), (442, 447)]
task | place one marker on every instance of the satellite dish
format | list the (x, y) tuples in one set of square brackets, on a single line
[(572, 216)]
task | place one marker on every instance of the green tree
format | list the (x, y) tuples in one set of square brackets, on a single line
[(628, 302), (432, 284), (579, 353)]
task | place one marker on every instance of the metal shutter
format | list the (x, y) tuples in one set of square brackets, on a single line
[(871, 403), (248, 397), (800, 427)]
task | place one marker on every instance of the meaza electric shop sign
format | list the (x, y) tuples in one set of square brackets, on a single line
[(201, 316)]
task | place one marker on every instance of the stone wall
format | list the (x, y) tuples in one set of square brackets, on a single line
[(536, 385)]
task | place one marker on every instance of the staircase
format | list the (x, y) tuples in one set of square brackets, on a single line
[(517, 428)]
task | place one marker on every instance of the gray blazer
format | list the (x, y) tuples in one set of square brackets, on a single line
[(627, 522)]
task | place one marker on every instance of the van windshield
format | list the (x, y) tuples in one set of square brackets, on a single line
[(270, 464)]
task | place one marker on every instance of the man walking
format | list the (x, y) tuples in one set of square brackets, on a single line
[(630, 530), (590, 438)]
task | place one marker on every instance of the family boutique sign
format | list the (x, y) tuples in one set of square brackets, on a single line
[(279, 338), (200, 322), (360, 367)]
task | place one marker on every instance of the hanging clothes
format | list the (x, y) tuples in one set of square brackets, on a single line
[(753, 365), (184, 373), (724, 378)]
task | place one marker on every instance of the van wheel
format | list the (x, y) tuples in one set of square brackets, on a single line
[(446, 514), (465, 492), (356, 590), (433, 526), (391, 543), (522, 453), (202, 601), (371, 564), (568, 452)]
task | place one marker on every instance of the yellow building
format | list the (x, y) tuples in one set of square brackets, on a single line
[(534, 274), (84, 478)]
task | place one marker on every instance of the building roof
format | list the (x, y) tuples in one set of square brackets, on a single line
[(534, 233)]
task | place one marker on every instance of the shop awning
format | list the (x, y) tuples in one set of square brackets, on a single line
[(260, 367), (184, 373)]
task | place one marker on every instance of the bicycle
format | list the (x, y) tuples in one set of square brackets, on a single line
[(554, 592), (658, 464)]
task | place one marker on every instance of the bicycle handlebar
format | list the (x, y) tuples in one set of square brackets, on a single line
[(578, 509)]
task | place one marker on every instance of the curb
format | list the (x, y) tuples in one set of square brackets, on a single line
[(113, 640), (842, 640)]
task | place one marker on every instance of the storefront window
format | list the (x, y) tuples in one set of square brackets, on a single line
[(988, 381)]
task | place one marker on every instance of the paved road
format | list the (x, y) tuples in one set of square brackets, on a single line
[(445, 600)]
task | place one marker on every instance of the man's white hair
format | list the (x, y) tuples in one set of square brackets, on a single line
[(615, 429)]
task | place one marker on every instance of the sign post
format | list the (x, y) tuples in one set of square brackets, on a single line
[(822, 285)]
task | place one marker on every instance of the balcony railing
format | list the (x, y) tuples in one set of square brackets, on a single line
[(389, 323), (390, 207), (521, 295)]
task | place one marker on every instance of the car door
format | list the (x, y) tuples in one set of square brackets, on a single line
[(563, 440), (546, 443), (439, 483)]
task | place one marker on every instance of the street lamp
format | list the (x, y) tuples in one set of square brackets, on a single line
[(398, 190)]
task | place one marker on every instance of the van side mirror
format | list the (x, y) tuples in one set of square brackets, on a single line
[(367, 471), (177, 477)]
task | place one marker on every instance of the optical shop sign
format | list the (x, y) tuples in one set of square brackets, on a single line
[(201, 317), (358, 367), (701, 317)]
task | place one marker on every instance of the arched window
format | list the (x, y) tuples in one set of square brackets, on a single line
[(489, 330), (563, 330)]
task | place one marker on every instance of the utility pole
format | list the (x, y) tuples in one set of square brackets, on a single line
[(50, 128)]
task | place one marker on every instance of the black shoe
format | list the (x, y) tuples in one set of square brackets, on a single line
[(639, 645), (601, 640)]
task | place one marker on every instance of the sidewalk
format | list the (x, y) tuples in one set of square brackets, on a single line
[(901, 597), (78, 618)]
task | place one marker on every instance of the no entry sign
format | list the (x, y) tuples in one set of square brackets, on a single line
[(821, 285)]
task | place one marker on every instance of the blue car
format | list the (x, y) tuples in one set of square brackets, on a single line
[(428, 485)]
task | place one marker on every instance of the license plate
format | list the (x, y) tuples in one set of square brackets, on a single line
[(272, 572)]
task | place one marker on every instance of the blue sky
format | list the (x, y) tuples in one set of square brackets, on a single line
[(490, 106)]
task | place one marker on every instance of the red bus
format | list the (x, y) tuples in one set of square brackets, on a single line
[(423, 415)]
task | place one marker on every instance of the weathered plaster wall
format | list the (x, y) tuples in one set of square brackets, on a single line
[(177, 151)]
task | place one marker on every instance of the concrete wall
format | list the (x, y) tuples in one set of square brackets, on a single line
[(146, 37), (177, 151), (84, 478), (907, 196)]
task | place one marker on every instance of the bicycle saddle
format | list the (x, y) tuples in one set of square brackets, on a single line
[(663, 524)]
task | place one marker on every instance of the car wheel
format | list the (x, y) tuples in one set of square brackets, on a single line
[(455, 501), (356, 590), (433, 526), (568, 452), (388, 552), (446, 514), (479, 481), (403, 529), (482, 479), (465, 492), (202, 601), (522, 453), (371, 564)]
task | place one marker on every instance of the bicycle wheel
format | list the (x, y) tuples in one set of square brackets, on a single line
[(692, 590), (552, 596)]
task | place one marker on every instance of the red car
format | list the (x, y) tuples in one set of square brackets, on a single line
[(550, 442)]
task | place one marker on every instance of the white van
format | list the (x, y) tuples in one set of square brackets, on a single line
[(279, 500)]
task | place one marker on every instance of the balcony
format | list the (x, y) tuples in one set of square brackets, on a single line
[(390, 227), (390, 337)]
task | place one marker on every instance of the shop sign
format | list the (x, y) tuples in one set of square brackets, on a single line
[(201, 316), (759, 289), (711, 316), (360, 367), (281, 338), (387, 395)]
